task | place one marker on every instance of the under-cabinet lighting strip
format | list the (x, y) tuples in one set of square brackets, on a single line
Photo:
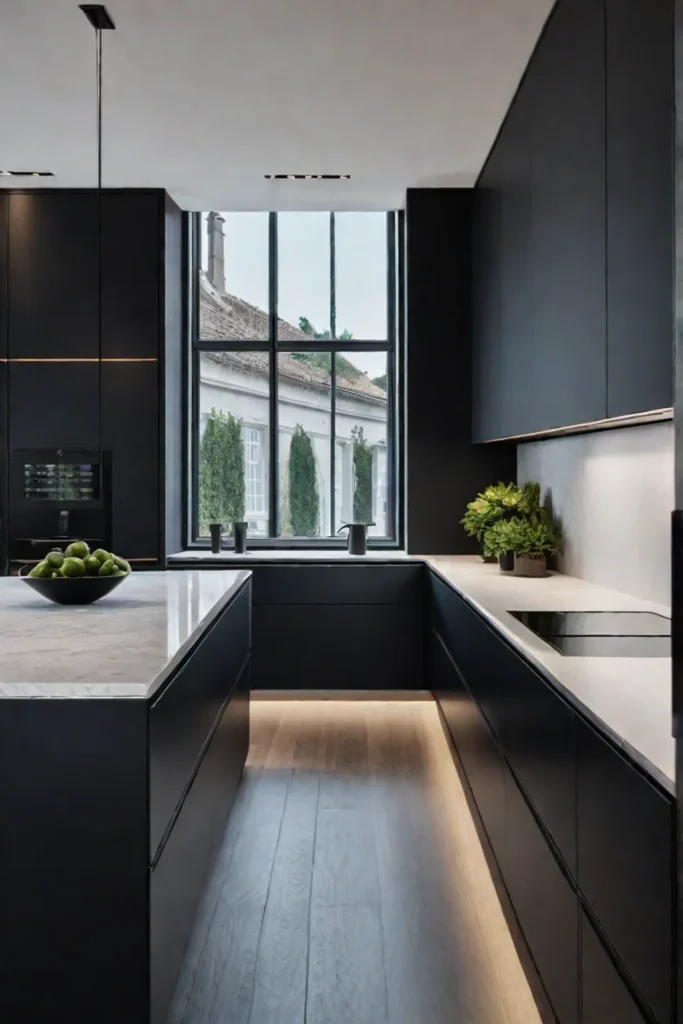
[(51, 359), (652, 416)]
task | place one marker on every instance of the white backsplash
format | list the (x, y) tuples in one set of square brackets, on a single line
[(613, 492)]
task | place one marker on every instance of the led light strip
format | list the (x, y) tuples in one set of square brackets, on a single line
[(307, 177), (71, 359), (634, 419)]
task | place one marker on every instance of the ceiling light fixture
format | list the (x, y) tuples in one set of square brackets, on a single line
[(307, 177), (26, 174)]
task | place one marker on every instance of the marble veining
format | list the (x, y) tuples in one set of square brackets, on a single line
[(125, 645), (628, 698)]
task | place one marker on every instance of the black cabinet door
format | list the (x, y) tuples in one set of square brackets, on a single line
[(4, 226), (538, 736), (53, 275), (132, 261), (343, 647), (640, 102), (545, 903), (626, 843), (54, 405), (182, 717), (561, 376), (130, 431), (338, 584), (481, 760), (605, 997)]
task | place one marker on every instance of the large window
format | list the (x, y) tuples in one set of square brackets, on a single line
[(295, 369)]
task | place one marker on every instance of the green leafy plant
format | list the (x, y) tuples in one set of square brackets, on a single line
[(479, 517), (304, 502), (496, 505), (362, 466), (534, 536), (221, 471), (500, 538)]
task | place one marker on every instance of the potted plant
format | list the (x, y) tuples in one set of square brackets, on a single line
[(480, 515), (499, 542), (534, 538), (499, 502)]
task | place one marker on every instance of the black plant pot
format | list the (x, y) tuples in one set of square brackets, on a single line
[(216, 537), (239, 533), (506, 561)]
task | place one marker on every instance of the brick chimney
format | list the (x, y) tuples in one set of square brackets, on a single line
[(216, 270)]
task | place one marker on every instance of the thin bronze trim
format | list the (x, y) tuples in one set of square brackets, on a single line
[(70, 359)]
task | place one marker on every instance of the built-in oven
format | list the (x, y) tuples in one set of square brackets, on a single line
[(57, 495)]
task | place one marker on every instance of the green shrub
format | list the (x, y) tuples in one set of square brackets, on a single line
[(304, 502), (221, 471), (362, 466)]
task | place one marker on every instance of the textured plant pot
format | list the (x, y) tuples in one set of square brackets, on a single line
[(506, 561), (530, 565)]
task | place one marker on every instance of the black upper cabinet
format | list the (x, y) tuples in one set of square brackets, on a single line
[(4, 214), (53, 275), (640, 105), (132, 262), (563, 368), (573, 296), (54, 405)]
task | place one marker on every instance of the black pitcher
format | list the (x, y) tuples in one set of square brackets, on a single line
[(358, 537), (216, 537), (239, 535)]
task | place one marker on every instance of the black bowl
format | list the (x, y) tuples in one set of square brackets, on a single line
[(72, 590)]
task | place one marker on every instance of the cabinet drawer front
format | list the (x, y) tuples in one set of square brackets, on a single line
[(338, 584), (181, 720), (626, 840), (605, 996)]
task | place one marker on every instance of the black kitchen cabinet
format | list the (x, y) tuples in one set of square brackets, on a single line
[(54, 405), (132, 264), (545, 904), (130, 431), (339, 584), (4, 217), (53, 309), (604, 993), (625, 865), (337, 647), (640, 107)]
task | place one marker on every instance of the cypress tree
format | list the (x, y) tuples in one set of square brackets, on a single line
[(221, 471), (304, 504), (362, 466)]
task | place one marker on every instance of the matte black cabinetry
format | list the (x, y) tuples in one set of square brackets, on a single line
[(640, 107), (53, 405), (354, 627), (573, 228), (605, 998), (626, 864)]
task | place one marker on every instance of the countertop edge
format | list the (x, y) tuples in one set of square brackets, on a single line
[(655, 774)]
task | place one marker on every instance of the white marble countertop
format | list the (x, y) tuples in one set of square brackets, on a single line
[(228, 557), (629, 698), (125, 645)]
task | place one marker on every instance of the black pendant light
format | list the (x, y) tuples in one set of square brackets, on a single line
[(101, 20)]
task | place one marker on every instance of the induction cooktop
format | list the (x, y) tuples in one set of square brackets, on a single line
[(602, 634)]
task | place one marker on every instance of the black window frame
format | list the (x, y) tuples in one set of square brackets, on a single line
[(393, 346)]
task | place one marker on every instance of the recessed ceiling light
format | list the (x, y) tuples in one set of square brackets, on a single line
[(27, 174), (307, 177)]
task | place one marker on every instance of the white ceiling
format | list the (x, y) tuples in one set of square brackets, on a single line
[(203, 97)]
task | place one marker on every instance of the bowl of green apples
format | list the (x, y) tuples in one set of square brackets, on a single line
[(76, 575)]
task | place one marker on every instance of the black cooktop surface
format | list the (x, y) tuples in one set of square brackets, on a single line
[(602, 634)]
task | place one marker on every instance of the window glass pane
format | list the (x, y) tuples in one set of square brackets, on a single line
[(233, 440), (303, 276), (361, 462), (361, 275), (304, 411), (233, 281)]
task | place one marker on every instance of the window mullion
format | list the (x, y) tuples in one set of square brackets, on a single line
[(333, 381), (274, 445)]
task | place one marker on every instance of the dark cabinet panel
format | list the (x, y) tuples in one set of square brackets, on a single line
[(545, 903), (54, 405), (4, 268), (481, 760), (561, 377), (337, 647), (130, 431), (181, 719), (626, 864), (338, 584), (640, 105), (132, 261), (178, 878), (605, 997), (53, 275)]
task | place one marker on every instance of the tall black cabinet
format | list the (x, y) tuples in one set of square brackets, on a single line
[(59, 393), (573, 297)]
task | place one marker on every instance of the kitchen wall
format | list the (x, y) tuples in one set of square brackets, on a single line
[(613, 492)]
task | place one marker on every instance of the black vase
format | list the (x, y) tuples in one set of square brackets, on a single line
[(506, 561), (216, 537), (239, 534)]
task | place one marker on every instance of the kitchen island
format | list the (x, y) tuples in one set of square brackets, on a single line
[(124, 728)]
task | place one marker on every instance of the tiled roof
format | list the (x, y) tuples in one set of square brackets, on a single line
[(227, 317)]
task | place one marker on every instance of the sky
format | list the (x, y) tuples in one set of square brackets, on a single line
[(304, 271)]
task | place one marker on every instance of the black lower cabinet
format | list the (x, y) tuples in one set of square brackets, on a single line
[(179, 876), (626, 841), (545, 903), (604, 995)]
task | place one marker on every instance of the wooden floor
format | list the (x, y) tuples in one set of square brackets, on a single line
[(351, 887)]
